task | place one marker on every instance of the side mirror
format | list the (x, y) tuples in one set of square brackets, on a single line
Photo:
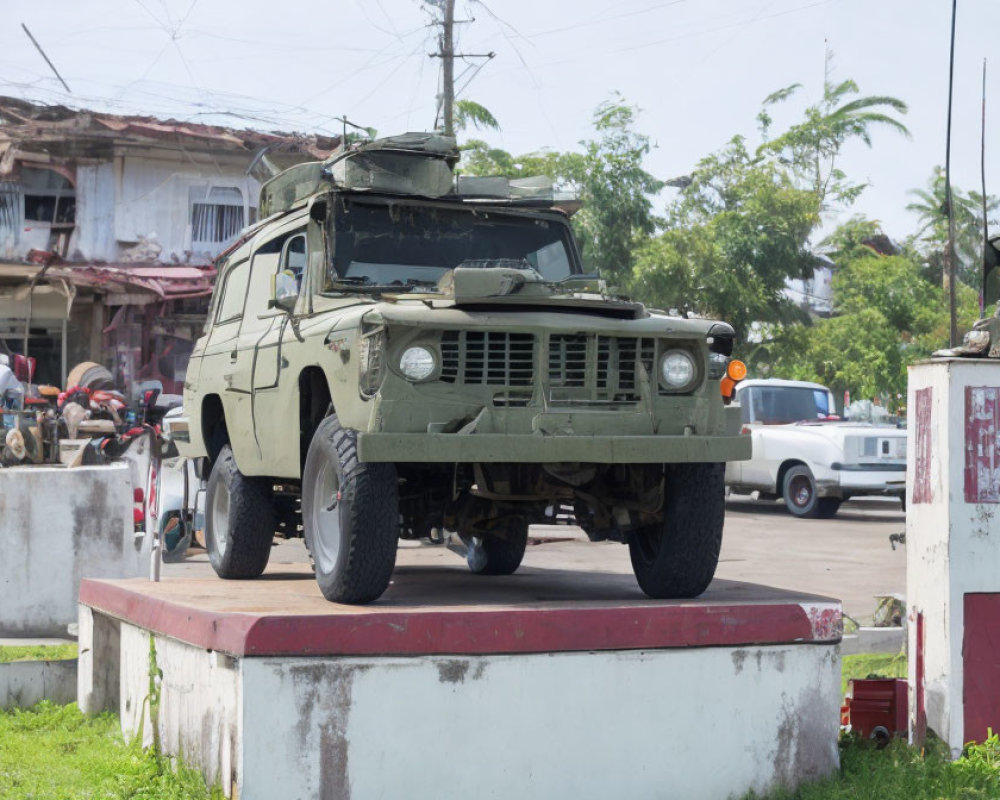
[(284, 291)]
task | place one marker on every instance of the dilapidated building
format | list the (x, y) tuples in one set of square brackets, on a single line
[(108, 229)]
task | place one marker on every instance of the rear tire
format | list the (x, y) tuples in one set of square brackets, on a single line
[(828, 507), (799, 491), (495, 555), (350, 516), (239, 523), (678, 556)]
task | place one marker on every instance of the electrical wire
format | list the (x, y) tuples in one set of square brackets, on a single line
[(591, 54), (603, 20)]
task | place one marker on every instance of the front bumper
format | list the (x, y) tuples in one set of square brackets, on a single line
[(848, 480), (449, 448)]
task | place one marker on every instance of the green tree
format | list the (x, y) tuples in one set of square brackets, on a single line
[(888, 315), (468, 112), (812, 146), (617, 192), (736, 233), (931, 237)]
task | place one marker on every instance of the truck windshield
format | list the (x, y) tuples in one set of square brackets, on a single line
[(401, 245), (780, 404)]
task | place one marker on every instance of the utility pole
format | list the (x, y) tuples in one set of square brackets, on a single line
[(447, 54), (448, 67)]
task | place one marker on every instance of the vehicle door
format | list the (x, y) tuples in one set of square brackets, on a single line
[(256, 353), (273, 385), (221, 353)]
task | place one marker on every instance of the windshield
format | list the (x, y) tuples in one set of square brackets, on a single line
[(778, 404), (398, 245)]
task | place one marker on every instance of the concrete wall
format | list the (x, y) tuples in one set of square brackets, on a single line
[(154, 195), (24, 683), (95, 211), (198, 714), (953, 546), (58, 525), (693, 723)]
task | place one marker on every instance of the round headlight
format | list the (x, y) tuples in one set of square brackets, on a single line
[(677, 369), (417, 363)]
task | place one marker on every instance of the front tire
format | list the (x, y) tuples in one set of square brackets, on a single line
[(496, 555), (239, 524), (677, 557), (350, 516)]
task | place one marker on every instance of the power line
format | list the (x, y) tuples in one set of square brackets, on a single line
[(667, 40), (602, 20)]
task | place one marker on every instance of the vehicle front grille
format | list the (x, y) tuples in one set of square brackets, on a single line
[(614, 361), (493, 358), (581, 369)]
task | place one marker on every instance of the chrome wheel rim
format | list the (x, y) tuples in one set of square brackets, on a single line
[(220, 519), (801, 491), (325, 516)]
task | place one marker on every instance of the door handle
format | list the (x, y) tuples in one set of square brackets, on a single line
[(233, 355)]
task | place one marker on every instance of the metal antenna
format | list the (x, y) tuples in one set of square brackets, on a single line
[(950, 249), (986, 232), (52, 66)]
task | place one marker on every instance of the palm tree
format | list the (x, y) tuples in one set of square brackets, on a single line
[(469, 111), (931, 209), (812, 146)]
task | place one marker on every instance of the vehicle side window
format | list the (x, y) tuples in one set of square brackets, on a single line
[(293, 257), (234, 293), (822, 402), (272, 256)]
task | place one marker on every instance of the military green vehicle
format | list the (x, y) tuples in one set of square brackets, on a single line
[(412, 353)]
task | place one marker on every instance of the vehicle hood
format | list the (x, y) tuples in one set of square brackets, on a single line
[(552, 316), (858, 442)]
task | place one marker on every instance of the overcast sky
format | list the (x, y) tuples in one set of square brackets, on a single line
[(698, 69)]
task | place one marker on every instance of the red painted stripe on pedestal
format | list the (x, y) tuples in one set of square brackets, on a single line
[(395, 631)]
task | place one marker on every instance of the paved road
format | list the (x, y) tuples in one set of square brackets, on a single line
[(848, 557)]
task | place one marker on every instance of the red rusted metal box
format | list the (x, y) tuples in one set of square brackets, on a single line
[(876, 708)]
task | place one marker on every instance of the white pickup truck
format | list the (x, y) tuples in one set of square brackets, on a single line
[(803, 453)]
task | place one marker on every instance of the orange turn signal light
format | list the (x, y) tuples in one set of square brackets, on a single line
[(737, 371)]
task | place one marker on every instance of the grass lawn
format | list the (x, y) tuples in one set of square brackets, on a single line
[(900, 772), (37, 652), (52, 752)]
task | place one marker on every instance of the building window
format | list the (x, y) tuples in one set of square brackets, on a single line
[(216, 217), (48, 197), (10, 212)]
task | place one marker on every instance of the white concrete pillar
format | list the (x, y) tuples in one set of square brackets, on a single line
[(953, 548)]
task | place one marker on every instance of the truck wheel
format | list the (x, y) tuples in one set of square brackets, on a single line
[(496, 555), (799, 491), (350, 516), (239, 525), (678, 556)]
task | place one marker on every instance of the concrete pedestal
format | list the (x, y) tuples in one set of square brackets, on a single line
[(953, 549), (57, 525), (573, 685)]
